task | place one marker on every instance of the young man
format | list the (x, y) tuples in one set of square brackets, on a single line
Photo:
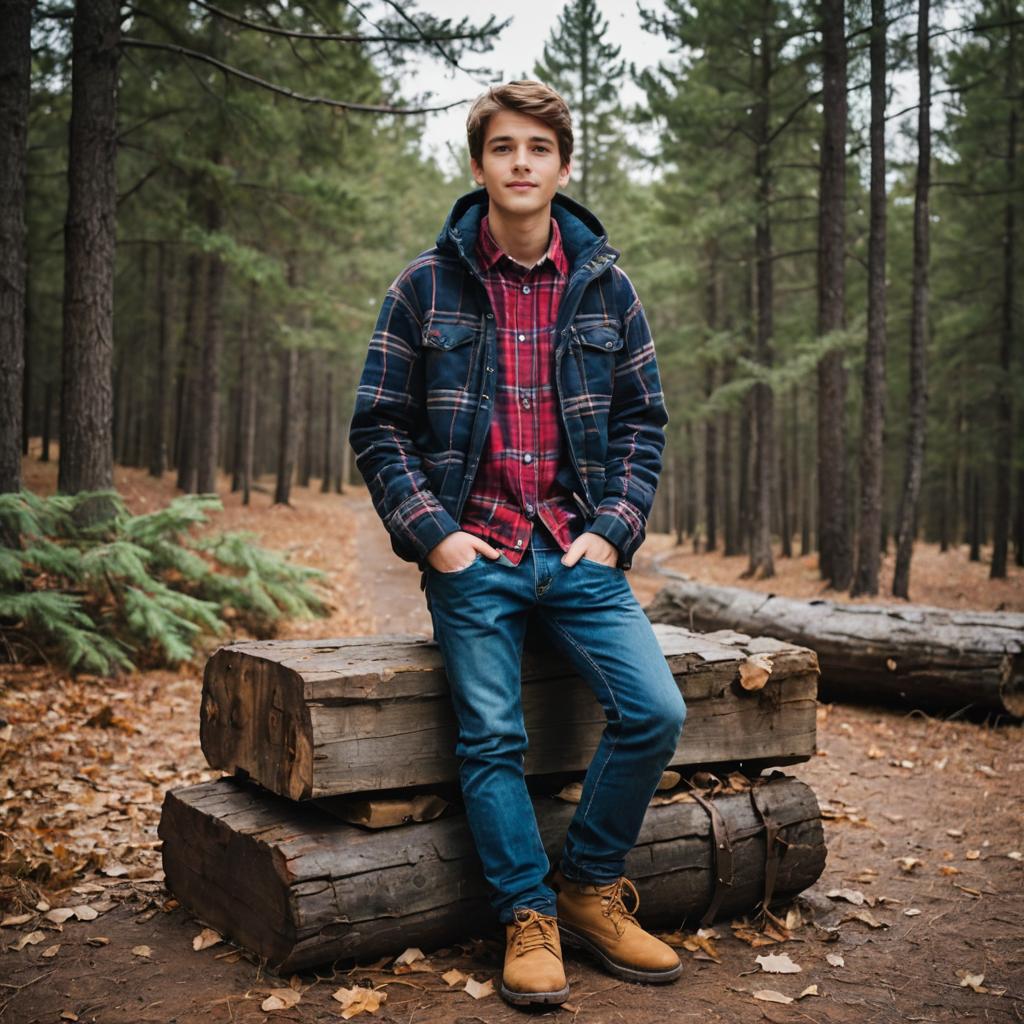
[(509, 424)]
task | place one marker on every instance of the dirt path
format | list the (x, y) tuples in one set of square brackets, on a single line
[(893, 786)]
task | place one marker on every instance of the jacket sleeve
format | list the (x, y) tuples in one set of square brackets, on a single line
[(636, 436), (389, 407)]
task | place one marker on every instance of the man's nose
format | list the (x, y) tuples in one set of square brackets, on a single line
[(523, 157)]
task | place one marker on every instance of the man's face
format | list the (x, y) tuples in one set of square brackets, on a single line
[(521, 167)]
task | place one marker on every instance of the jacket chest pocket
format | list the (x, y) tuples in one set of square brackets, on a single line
[(596, 347), (450, 355)]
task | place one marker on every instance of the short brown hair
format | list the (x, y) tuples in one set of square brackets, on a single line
[(525, 97)]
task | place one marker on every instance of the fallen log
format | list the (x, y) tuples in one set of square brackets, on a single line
[(918, 655), (302, 888), (319, 718)]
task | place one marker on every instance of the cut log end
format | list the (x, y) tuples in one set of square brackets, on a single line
[(1012, 685)]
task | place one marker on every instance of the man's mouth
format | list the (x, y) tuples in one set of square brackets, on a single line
[(524, 185)]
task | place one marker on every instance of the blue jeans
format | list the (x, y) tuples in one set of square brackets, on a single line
[(589, 614)]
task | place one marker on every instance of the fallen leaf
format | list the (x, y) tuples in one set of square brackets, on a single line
[(777, 963), (948, 869), (10, 922), (85, 913), (866, 916), (956, 833), (755, 671), (114, 870), (409, 956), (142, 951), (972, 981), (908, 863), (835, 960), (811, 990), (479, 989), (68, 1015), (98, 940), (50, 951), (911, 912), (358, 999), (769, 995), (453, 977), (1015, 855), (206, 938), (59, 915), (280, 999), (972, 854), (29, 939), (854, 896)]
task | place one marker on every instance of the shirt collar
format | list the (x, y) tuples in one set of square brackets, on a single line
[(489, 252)]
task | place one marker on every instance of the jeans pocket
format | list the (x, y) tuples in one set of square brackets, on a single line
[(457, 572), (600, 565)]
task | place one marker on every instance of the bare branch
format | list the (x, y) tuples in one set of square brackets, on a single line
[(369, 108), (348, 37)]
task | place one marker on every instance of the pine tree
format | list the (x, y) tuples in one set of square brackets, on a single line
[(585, 68)]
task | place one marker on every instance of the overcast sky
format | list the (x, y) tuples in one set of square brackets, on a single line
[(514, 54)]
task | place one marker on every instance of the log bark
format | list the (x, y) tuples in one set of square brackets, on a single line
[(315, 718), (914, 654), (301, 888)]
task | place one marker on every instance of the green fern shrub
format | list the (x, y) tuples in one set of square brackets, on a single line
[(134, 591)]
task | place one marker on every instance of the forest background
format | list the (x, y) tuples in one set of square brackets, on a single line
[(204, 204)]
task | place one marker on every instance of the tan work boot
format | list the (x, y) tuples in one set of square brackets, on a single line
[(533, 960), (595, 918)]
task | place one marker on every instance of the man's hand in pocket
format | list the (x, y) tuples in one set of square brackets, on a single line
[(458, 550)]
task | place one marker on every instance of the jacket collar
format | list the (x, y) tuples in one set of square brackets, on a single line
[(582, 234)]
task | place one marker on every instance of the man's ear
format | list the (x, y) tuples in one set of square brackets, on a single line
[(477, 169), (563, 174)]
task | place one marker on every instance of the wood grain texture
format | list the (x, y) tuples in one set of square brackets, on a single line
[(301, 888), (914, 654), (318, 718)]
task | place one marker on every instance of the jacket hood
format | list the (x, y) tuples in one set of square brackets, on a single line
[(583, 235)]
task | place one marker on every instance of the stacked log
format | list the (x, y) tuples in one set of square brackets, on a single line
[(300, 887), (313, 718), (340, 834), (919, 656)]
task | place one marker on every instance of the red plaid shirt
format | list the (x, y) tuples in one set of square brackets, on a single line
[(515, 485)]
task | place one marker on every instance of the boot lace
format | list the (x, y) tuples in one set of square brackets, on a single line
[(534, 931), (614, 907)]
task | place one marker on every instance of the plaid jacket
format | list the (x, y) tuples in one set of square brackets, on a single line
[(424, 401)]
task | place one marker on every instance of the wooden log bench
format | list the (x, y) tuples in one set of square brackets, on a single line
[(301, 888), (914, 655), (318, 718)]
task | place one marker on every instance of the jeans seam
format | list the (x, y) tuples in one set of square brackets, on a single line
[(604, 680)]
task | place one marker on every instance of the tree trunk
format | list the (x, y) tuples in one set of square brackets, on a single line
[(914, 471), (187, 435), (761, 563), (208, 392), (86, 410), (917, 655), (15, 65), (1004, 408), (287, 434), (710, 426), (328, 449), (974, 521), (835, 556), (158, 407), (872, 423), (732, 541)]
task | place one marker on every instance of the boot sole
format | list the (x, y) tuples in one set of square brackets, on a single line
[(529, 998), (577, 941)]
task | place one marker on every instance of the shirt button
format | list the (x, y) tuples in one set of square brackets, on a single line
[(490, 316), (519, 543), (522, 337), (527, 457), (526, 403), (526, 289), (529, 510)]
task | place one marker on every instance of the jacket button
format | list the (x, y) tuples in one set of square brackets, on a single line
[(608, 344), (490, 316)]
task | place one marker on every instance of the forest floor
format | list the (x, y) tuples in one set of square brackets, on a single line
[(921, 815)]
